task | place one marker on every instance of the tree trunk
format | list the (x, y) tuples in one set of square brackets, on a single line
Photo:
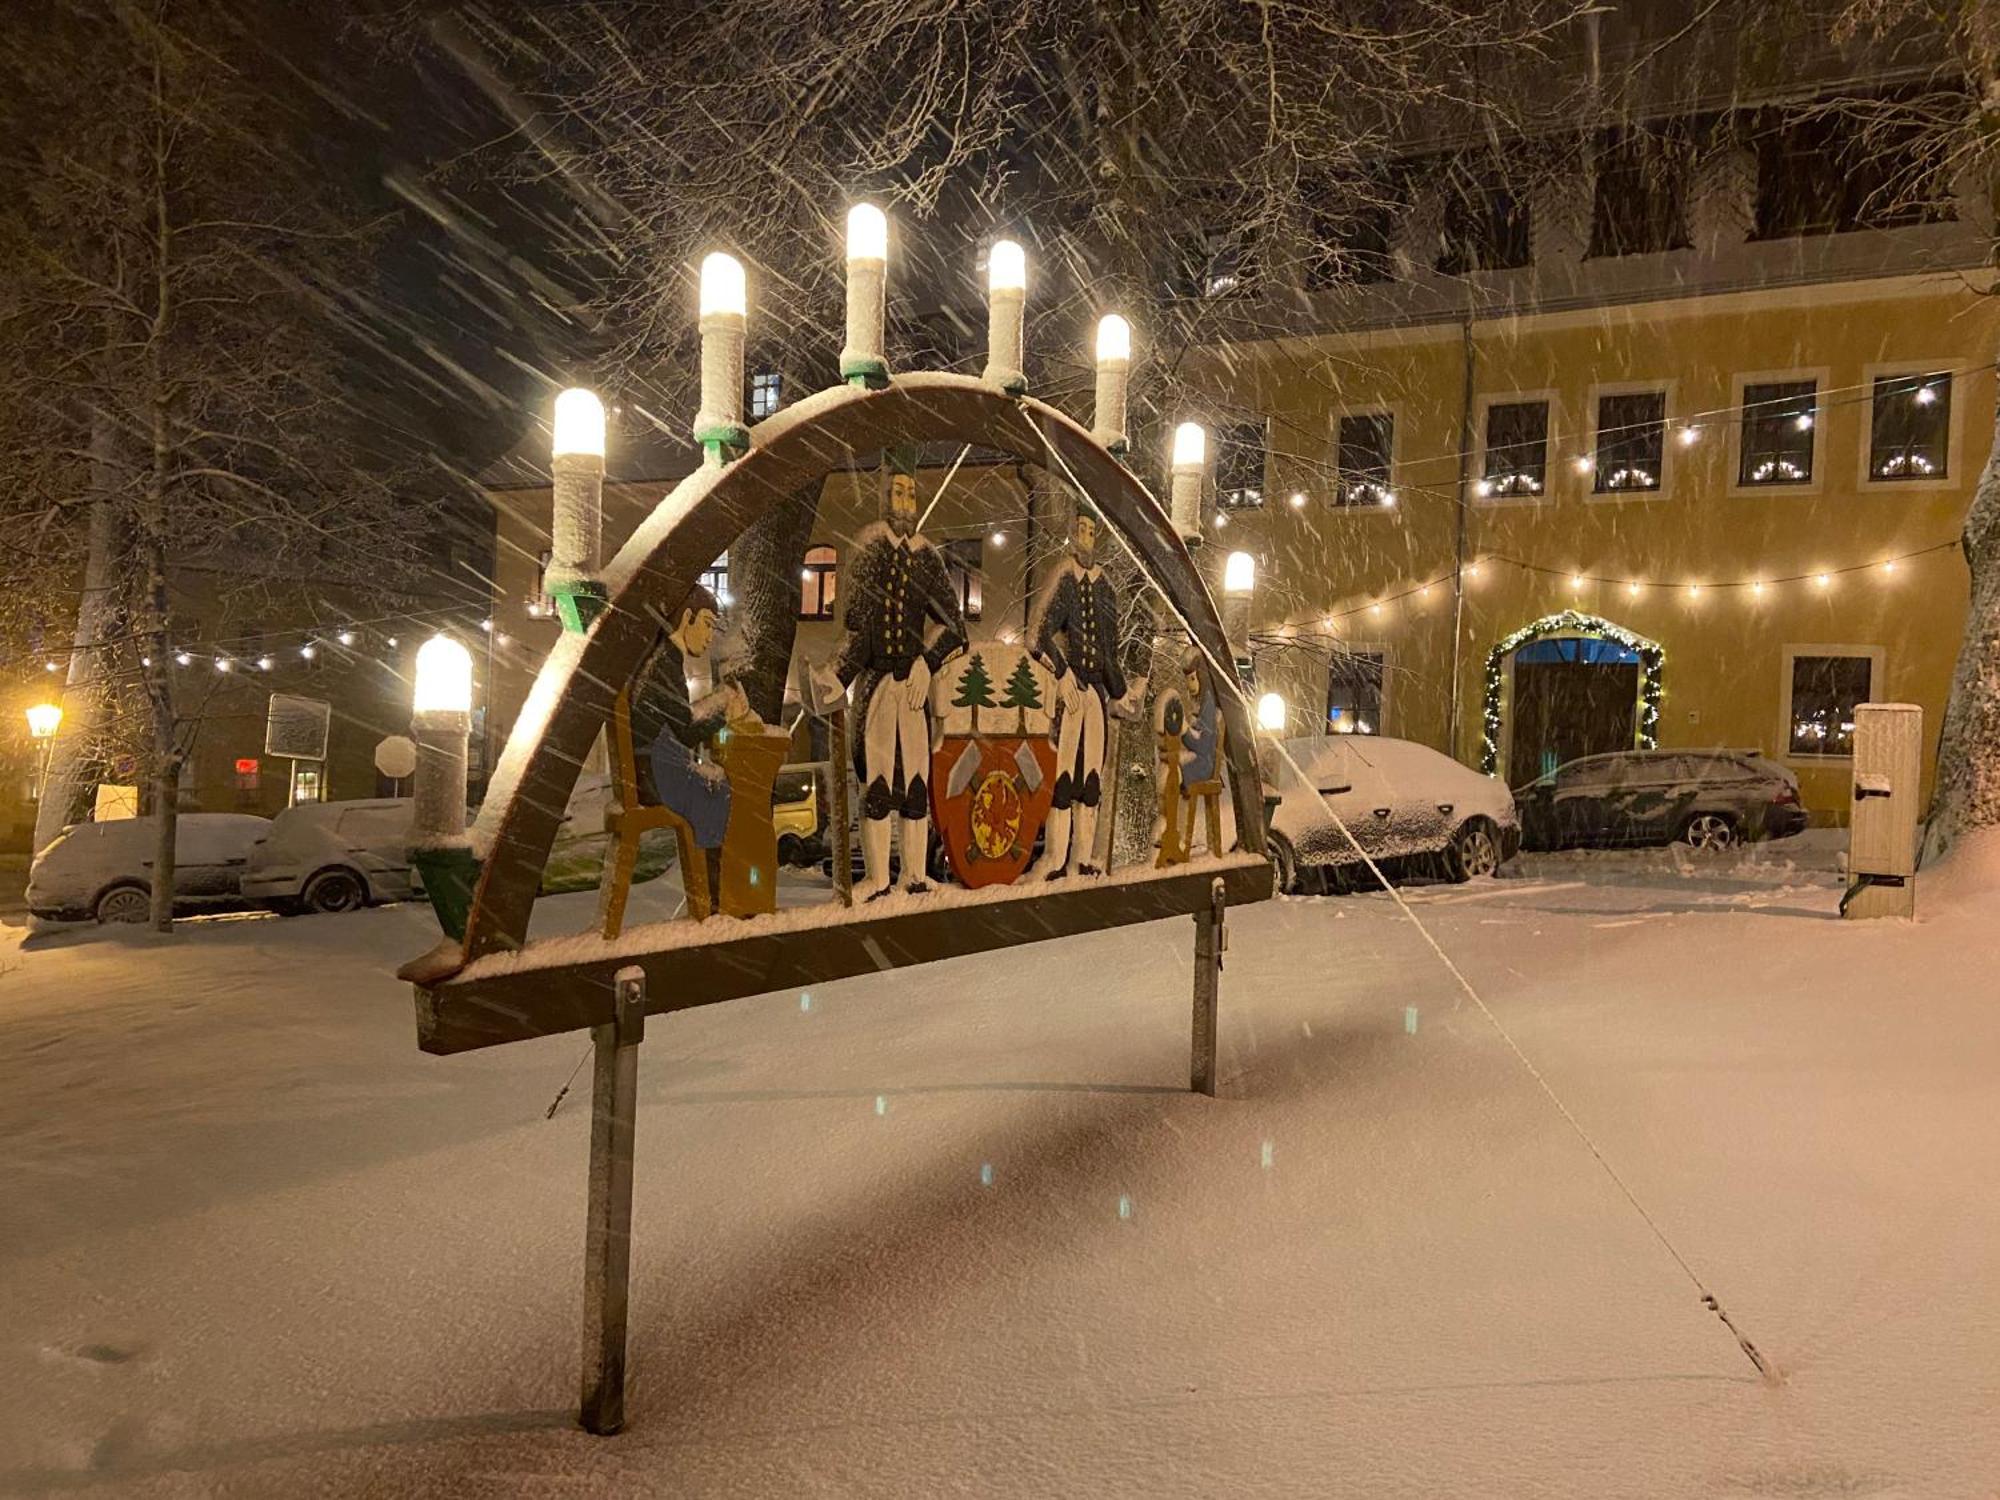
[(77, 754), (166, 757), (1967, 796)]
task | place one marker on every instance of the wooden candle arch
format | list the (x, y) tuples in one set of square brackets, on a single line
[(498, 987)]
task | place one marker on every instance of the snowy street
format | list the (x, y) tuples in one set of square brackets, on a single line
[(960, 1229)]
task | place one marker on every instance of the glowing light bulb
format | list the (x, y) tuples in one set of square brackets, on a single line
[(308, 651), (1689, 436), (999, 538), (1388, 497), (392, 640), (44, 719), (346, 638), (182, 658), (1631, 591), (1585, 463), (1575, 581), (1889, 566), (1925, 395), (1823, 580), (1239, 573), (1006, 267), (1220, 520), (443, 677), (1114, 339), (222, 664), (1757, 586), (1803, 421), (1190, 445), (867, 233), (1298, 499), (579, 423), (722, 289), (1271, 711), (1694, 591), (263, 663), (48, 666), (1375, 609), (1483, 488)]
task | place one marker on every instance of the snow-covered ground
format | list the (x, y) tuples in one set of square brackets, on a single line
[(960, 1230)]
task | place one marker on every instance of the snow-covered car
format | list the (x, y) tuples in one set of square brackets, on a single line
[(1708, 798), (1409, 807), (333, 856), (105, 870)]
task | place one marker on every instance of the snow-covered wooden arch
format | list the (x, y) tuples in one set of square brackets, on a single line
[(497, 985), (501, 987)]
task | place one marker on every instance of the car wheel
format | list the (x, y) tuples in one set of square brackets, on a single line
[(1474, 851), (791, 850), (125, 903), (1709, 831), (335, 891), (1284, 863)]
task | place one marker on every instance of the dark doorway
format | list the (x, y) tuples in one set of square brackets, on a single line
[(1571, 697)]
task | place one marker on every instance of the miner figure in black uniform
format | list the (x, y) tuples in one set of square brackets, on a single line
[(1076, 635), (902, 619)]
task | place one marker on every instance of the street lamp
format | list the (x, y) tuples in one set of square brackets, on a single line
[(44, 719)]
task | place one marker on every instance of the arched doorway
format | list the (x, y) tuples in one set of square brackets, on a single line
[(1568, 685)]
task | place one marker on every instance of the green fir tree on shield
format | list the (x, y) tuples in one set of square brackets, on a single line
[(975, 689), (1022, 693)]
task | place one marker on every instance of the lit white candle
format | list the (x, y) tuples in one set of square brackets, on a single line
[(1190, 460), (576, 465), (862, 361), (442, 719), (1114, 364), (1007, 301), (718, 426)]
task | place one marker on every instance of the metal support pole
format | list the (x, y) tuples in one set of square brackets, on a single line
[(843, 815), (607, 1240), (1211, 938)]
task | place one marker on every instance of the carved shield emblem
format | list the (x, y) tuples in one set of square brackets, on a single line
[(993, 763)]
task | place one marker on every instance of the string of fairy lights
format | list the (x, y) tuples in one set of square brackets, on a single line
[(267, 652)]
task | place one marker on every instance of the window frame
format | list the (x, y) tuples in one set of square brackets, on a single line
[(1788, 656), (1954, 435), (1394, 412), (968, 580), (1594, 396), (715, 578), (1383, 705), (821, 573), (1822, 378), (777, 387), (1482, 408)]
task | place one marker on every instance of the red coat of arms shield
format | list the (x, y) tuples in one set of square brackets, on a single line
[(993, 764)]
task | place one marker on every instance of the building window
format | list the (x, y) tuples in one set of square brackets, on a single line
[(1239, 466), (816, 583), (964, 560), (543, 605), (1778, 423), (715, 578), (1353, 245), (1631, 441), (1212, 263), (308, 782), (1640, 202), (1517, 448), (1364, 457), (1354, 692), (1485, 226), (1834, 172), (1909, 436), (764, 394), (1824, 692)]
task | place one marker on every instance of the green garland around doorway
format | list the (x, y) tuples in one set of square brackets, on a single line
[(1652, 657)]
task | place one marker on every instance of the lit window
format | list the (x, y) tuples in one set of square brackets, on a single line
[(1364, 457), (964, 559), (1212, 263), (1824, 692), (715, 578), (764, 394), (1778, 427), (816, 583), (1631, 438), (1239, 466), (1354, 692), (1909, 437), (1517, 448)]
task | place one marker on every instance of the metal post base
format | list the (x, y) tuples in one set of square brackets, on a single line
[(607, 1240), (1210, 939)]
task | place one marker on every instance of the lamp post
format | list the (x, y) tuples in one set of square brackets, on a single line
[(44, 719), (718, 426), (861, 361), (1006, 304), (441, 719), (1189, 464), (576, 463), (1114, 364)]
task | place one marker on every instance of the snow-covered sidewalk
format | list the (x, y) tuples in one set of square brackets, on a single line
[(961, 1230)]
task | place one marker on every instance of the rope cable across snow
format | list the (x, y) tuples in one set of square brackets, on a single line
[(1225, 673)]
